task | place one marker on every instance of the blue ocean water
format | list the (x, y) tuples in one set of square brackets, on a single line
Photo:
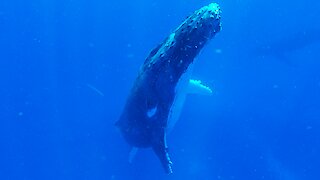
[(68, 66)]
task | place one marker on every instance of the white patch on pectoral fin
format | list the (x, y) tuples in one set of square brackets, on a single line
[(196, 87)]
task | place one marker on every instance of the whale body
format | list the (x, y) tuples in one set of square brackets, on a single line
[(151, 107)]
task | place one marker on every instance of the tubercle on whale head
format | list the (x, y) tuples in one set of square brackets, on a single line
[(186, 41), (201, 26)]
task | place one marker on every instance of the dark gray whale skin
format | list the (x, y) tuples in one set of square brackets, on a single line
[(154, 88)]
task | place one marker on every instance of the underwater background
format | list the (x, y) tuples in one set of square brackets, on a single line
[(67, 66)]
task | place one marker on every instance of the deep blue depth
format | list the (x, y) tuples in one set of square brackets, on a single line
[(66, 68)]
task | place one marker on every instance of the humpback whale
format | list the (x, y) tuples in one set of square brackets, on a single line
[(151, 107)]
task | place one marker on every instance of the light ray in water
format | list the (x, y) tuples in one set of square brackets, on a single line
[(95, 89)]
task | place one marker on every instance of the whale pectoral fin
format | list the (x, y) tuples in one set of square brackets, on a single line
[(164, 157), (161, 150), (196, 87), (132, 154)]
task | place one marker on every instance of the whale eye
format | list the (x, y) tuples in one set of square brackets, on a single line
[(152, 112)]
